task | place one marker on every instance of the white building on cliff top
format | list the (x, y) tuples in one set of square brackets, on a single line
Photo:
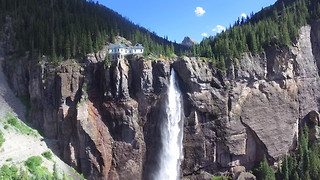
[(118, 51)]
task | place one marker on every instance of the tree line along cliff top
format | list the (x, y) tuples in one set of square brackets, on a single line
[(72, 29), (274, 26)]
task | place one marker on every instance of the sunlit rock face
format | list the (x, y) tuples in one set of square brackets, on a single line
[(107, 119)]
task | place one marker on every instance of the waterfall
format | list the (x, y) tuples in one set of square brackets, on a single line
[(171, 153)]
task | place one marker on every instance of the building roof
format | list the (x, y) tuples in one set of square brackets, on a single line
[(137, 46), (116, 46)]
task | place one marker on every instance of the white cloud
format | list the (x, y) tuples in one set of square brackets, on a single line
[(244, 15), (219, 29), (204, 34), (199, 11)]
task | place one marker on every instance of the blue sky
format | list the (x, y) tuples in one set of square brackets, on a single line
[(179, 18)]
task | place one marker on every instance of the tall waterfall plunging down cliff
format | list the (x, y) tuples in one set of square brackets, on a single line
[(171, 153)]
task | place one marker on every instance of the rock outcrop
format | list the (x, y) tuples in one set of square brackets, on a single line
[(188, 42), (106, 119)]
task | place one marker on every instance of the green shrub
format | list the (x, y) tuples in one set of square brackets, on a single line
[(8, 172), (13, 121), (33, 163), (8, 160), (47, 155), (1, 138), (6, 127), (43, 173), (264, 171)]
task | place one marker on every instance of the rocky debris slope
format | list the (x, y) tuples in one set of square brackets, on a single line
[(107, 118)]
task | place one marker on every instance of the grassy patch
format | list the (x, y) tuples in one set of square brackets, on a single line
[(13, 121), (47, 155), (221, 177), (1, 138), (9, 160), (6, 127), (20, 127), (36, 171), (33, 163)]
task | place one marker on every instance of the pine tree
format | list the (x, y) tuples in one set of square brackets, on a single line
[(222, 63), (53, 55), (314, 162), (295, 176), (292, 164), (307, 176), (55, 172), (265, 172), (252, 42), (89, 46), (293, 30), (172, 49), (285, 169), (84, 45), (285, 37), (68, 49)]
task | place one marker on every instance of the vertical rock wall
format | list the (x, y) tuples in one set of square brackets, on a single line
[(106, 119)]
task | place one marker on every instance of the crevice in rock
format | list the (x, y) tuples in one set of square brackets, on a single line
[(230, 97)]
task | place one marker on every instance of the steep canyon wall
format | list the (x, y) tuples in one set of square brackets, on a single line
[(106, 119)]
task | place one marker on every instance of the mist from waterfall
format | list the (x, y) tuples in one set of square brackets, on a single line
[(171, 153)]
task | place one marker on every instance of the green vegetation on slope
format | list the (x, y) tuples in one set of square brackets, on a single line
[(47, 155), (19, 126), (71, 29), (33, 163), (9, 172), (275, 26), (303, 164), (2, 139), (264, 171), (37, 172)]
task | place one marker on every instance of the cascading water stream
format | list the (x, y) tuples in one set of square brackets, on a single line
[(171, 153)]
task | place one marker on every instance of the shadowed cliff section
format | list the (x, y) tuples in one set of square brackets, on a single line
[(106, 119)]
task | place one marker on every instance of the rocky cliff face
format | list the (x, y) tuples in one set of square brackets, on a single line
[(188, 42), (106, 119)]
